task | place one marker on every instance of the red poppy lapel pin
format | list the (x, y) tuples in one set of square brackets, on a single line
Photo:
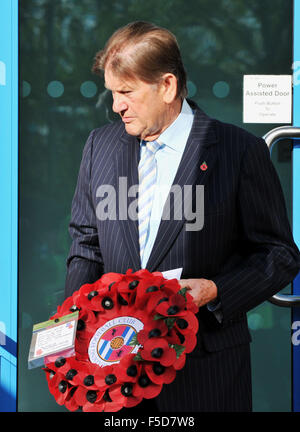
[(203, 166)]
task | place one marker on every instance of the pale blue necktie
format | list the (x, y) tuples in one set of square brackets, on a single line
[(147, 181)]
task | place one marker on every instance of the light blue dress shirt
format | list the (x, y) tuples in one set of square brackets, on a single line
[(173, 141)]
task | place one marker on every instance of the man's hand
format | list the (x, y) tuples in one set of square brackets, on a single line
[(203, 291)]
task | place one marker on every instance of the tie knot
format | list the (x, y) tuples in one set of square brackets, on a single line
[(152, 146)]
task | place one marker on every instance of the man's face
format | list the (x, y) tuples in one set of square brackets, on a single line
[(140, 105)]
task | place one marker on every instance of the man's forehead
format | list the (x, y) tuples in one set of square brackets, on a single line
[(113, 81)]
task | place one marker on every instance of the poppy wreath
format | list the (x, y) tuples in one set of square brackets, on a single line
[(133, 333)]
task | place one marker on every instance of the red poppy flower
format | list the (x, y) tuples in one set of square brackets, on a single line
[(89, 400), (154, 300), (58, 386), (124, 395), (146, 289), (173, 338), (70, 402), (88, 376), (190, 342), (145, 388), (171, 286), (129, 283), (187, 323), (61, 389), (95, 296), (160, 374), (107, 377), (109, 278), (179, 362), (158, 350), (128, 369), (63, 366), (190, 304), (108, 405), (174, 306), (152, 329)]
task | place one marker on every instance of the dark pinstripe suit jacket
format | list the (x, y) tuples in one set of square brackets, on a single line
[(245, 247)]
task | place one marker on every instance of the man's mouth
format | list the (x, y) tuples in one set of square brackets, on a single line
[(127, 119)]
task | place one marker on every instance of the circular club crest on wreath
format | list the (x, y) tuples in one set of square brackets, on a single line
[(133, 333)]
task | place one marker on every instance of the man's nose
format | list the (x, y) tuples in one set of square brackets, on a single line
[(119, 104)]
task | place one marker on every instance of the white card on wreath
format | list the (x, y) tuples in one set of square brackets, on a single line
[(173, 274)]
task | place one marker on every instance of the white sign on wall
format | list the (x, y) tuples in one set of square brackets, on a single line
[(267, 99)]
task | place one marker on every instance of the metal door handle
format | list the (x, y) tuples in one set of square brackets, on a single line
[(285, 300)]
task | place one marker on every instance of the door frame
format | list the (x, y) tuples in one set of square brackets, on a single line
[(9, 198), (296, 200)]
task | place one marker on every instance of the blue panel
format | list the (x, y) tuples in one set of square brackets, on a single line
[(9, 200), (296, 285), (296, 197)]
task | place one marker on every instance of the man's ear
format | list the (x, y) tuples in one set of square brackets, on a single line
[(169, 87)]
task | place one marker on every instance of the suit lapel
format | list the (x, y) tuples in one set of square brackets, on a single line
[(126, 161), (199, 149)]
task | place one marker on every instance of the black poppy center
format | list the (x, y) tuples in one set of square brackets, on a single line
[(107, 303), (133, 284), (144, 381), (91, 396), (110, 379), (88, 380), (59, 362), (106, 396), (126, 389), (92, 294), (181, 337), (162, 300), (173, 310), (80, 325), (132, 371), (122, 301), (152, 288), (157, 352), (110, 285), (154, 333), (62, 386), (182, 323), (71, 373), (158, 369)]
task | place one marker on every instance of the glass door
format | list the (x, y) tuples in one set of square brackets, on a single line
[(61, 102)]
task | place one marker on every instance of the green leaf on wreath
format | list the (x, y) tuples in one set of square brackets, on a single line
[(157, 317), (178, 349), (138, 357), (170, 322), (183, 292), (134, 340)]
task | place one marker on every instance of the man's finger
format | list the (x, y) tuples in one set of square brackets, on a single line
[(184, 283)]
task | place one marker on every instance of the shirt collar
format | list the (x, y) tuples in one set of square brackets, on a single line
[(176, 135)]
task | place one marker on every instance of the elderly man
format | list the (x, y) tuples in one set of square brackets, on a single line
[(240, 256)]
